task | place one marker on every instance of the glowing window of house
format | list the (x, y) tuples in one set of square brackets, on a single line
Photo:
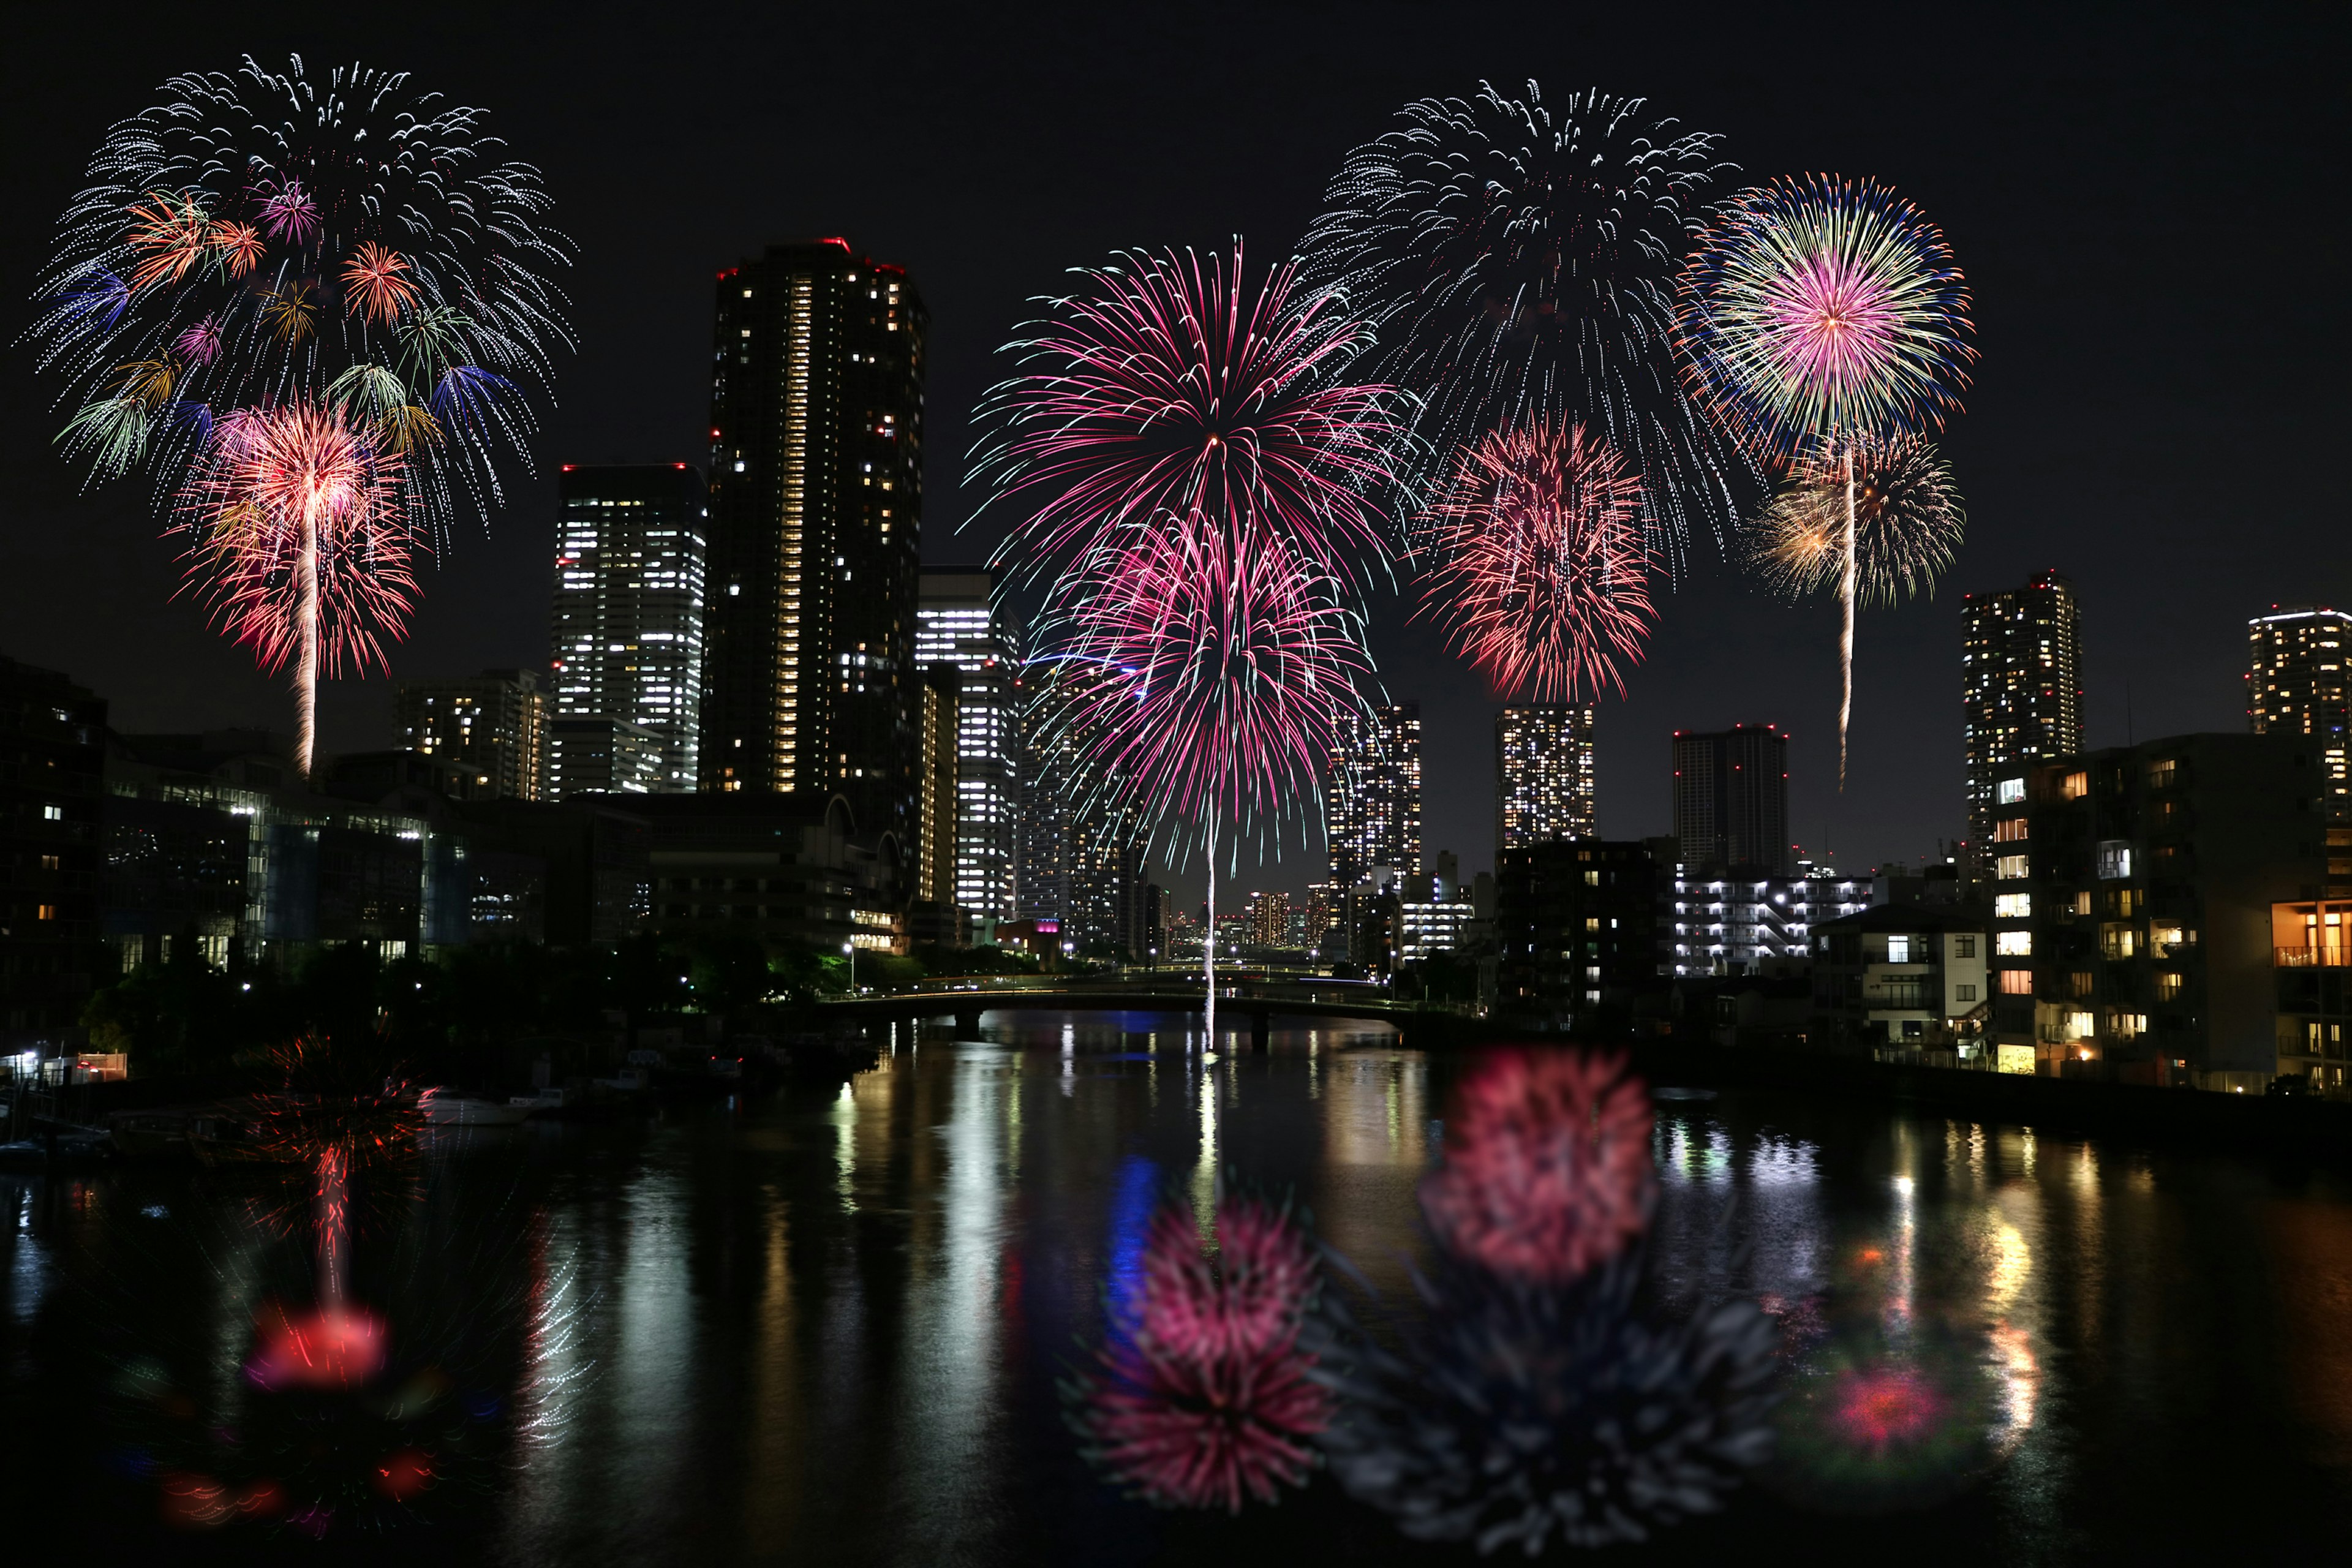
[(2167, 984), (2074, 786), (1898, 950), (2016, 982), (2009, 792), (2013, 943), (2011, 869), (2012, 906), (2115, 859)]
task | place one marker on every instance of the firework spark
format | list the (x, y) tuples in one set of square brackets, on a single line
[(1907, 515), (1823, 312), (1166, 385), (301, 545), (1539, 563), (1518, 266)]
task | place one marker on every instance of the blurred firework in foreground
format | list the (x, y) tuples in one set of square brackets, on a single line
[(1518, 261), (300, 544), (264, 241), (1907, 521), (1539, 567), (1167, 385), (1543, 1397), (1200, 1397), (1821, 316), (1547, 1171)]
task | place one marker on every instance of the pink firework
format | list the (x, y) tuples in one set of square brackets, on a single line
[(302, 544), (1547, 1168), (291, 216), (1207, 1401), (200, 344), (1167, 385), (1540, 568)]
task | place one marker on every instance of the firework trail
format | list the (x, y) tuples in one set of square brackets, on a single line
[(1165, 384), (1204, 665), (301, 545), (1825, 313), (1539, 566), (1907, 521), (264, 240), (1518, 266)]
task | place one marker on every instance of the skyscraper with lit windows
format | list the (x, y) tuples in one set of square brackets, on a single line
[(958, 626), (2021, 686), (816, 468), (1543, 774), (2296, 684), (1372, 794), (626, 631)]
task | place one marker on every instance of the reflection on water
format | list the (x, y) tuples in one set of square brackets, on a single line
[(828, 1328)]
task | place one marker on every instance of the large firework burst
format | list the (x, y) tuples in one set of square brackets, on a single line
[(301, 545), (1823, 313), (1538, 565), (264, 239), (1518, 265), (1203, 666), (1166, 384), (1907, 521)]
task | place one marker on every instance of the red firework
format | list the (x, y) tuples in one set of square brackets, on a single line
[(1540, 568), (302, 544), (1167, 386), (376, 279), (1206, 1399), (1547, 1168)]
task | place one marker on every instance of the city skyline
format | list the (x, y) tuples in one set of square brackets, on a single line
[(1721, 652)]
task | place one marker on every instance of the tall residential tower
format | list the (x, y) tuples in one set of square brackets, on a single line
[(2021, 686), (494, 724), (1731, 799), (1543, 774), (2297, 684), (957, 626), (816, 469), (626, 630), (1372, 801)]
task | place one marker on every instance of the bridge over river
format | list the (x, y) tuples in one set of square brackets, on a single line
[(1259, 1001)]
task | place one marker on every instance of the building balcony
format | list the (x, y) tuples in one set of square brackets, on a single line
[(2311, 957)]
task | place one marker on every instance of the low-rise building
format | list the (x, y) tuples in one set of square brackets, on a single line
[(2133, 901), (2311, 958), (1723, 924), (1576, 926), (52, 752), (1905, 977), (781, 868)]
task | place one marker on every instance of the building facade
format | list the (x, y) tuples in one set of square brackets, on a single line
[(1905, 976), (817, 465), (935, 853), (1372, 794), (2133, 905), (2296, 684), (1731, 800), (604, 756), (1575, 923), (626, 631), (1726, 925), (2021, 687), (958, 625), (1543, 774), (492, 725), (798, 871), (52, 764)]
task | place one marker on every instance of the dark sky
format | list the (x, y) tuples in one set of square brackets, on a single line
[(2148, 203)]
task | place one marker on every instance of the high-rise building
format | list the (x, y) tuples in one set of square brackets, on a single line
[(2021, 686), (816, 470), (603, 756), (1731, 799), (956, 625), (493, 725), (626, 630), (1372, 801), (2297, 684), (1041, 828), (1269, 919), (1543, 774), (53, 853), (935, 879)]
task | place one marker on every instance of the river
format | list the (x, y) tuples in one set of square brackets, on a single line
[(827, 1326)]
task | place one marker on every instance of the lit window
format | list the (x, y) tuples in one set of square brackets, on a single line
[(2115, 859), (2016, 982), (2013, 943), (1898, 950), (2010, 791), (2011, 869), (2074, 786), (2012, 906)]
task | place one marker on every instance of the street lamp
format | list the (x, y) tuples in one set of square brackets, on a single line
[(851, 948)]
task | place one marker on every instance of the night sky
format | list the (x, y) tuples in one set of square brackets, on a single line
[(2148, 206)]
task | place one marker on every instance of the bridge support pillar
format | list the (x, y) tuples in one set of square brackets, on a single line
[(967, 1024), (1260, 1023)]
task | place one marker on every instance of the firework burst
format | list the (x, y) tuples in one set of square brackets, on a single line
[(1539, 568), (1821, 313), (1907, 521), (261, 234), (301, 545), (1518, 263), (1166, 384)]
